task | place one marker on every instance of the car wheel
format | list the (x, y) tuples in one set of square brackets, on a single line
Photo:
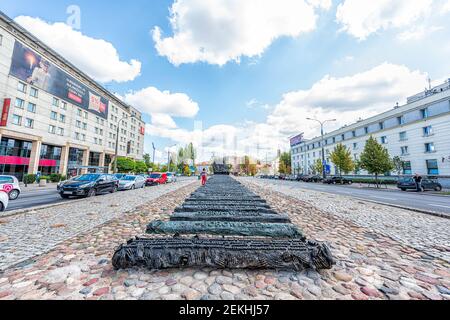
[(403, 189), (64, 196), (438, 188), (14, 194), (91, 193), (2, 207), (114, 190), (133, 187)]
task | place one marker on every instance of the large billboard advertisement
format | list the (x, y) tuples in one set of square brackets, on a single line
[(35, 70), (296, 140)]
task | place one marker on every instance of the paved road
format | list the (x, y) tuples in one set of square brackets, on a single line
[(421, 201), (35, 198)]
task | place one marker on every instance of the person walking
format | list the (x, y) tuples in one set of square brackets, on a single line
[(204, 176), (418, 181)]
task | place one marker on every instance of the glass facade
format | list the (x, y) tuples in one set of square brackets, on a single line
[(15, 157), (50, 159)]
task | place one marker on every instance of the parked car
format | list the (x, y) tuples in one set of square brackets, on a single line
[(427, 184), (132, 182), (312, 178), (89, 185), (120, 175), (171, 177), (4, 199), (156, 179), (15, 191), (338, 180)]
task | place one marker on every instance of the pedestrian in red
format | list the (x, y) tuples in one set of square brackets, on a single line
[(204, 177)]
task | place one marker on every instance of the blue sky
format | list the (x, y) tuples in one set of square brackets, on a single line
[(374, 54)]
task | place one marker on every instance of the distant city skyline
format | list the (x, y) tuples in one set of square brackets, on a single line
[(240, 78)]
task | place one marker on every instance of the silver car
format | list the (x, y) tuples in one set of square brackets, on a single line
[(12, 186), (171, 177), (131, 182)]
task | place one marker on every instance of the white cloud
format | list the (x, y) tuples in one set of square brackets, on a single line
[(163, 121), (361, 18), (346, 99), (220, 31), (418, 32), (153, 101), (96, 57)]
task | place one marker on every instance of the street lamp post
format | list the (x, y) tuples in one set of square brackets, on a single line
[(324, 172), (117, 141)]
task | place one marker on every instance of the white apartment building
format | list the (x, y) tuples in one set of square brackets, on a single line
[(418, 132), (55, 118)]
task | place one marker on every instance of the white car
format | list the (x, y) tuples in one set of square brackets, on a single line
[(12, 183), (4, 199)]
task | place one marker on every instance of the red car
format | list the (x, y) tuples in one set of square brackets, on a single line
[(156, 179)]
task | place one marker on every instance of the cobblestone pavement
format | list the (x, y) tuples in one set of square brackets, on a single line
[(423, 232), (26, 235), (370, 265)]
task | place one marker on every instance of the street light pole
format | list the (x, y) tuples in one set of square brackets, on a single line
[(117, 142), (168, 157), (324, 172)]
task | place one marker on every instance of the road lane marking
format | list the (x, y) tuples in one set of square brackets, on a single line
[(382, 198), (440, 206)]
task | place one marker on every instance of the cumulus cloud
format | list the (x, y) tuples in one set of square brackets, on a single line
[(220, 31), (96, 57), (153, 101), (163, 121), (361, 18), (346, 99)]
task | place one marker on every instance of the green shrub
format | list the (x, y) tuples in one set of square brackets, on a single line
[(55, 177), (29, 178)]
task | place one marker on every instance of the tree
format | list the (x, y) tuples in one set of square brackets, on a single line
[(147, 160), (375, 159), (397, 162), (186, 170), (285, 163), (318, 166), (342, 159), (125, 165), (141, 167)]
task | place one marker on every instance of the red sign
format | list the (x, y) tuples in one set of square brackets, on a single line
[(18, 161), (142, 130), (47, 163), (75, 98), (5, 112)]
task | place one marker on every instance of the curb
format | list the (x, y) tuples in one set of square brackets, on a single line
[(432, 213), (12, 213)]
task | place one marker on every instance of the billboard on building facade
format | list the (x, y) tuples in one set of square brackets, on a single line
[(32, 68), (297, 140)]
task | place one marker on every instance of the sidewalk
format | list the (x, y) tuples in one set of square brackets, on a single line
[(392, 188), (35, 186)]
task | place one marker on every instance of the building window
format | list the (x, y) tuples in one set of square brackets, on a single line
[(77, 136), (407, 169), (22, 87), (34, 92), (432, 167), (366, 130), (424, 113), (401, 120), (83, 137), (78, 124), (60, 131), (17, 120), (428, 131), (55, 102), (384, 140), (404, 151), (62, 118), (343, 137), (334, 139), (84, 126), (429, 147), (79, 112), (31, 107), (354, 134), (403, 136), (29, 123), (51, 129), (64, 105), (355, 146), (53, 115), (20, 103), (85, 115), (381, 125)]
